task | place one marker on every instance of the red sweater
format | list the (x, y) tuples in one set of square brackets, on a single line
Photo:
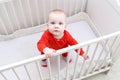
[(47, 40)]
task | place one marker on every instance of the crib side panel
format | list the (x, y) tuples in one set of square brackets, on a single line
[(21, 14), (100, 60)]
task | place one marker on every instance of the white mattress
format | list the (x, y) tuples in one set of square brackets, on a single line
[(25, 47)]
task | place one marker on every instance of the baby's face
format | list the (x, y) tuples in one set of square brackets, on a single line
[(57, 23)]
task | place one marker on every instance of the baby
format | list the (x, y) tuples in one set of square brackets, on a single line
[(56, 37)]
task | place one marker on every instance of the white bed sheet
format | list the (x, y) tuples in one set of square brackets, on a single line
[(25, 47)]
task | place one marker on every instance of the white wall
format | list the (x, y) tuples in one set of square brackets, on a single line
[(105, 14)]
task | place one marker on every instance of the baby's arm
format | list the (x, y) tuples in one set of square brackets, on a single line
[(49, 52), (42, 45), (71, 41)]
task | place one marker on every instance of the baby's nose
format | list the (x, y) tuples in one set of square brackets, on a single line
[(56, 26)]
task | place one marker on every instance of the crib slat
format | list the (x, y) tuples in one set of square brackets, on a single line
[(58, 67), (10, 24), (82, 67), (3, 25), (27, 72), (114, 41), (83, 5), (104, 46), (15, 73), (92, 58), (67, 67), (39, 69), (50, 4), (76, 7), (108, 53), (37, 11), (76, 63), (115, 51), (69, 10), (49, 67), (16, 18), (82, 2), (118, 45), (30, 12), (3, 75), (64, 5), (57, 4), (44, 11), (25, 21)]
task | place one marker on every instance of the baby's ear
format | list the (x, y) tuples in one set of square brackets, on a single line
[(47, 24)]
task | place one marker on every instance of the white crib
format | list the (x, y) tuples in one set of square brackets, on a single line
[(23, 21)]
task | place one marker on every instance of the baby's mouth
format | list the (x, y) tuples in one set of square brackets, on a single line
[(56, 30)]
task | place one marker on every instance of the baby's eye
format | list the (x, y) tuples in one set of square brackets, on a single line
[(52, 22), (60, 23)]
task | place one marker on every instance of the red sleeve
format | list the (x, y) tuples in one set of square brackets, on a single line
[(72, 41), (42, 43)]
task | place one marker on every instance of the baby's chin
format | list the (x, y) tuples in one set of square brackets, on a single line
[(57, 34)]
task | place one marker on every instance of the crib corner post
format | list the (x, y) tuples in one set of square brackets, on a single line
[(106, 72)]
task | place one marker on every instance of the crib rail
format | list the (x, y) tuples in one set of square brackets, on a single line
[(111, 40)]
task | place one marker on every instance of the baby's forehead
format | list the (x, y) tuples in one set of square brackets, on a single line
[(54, 16), (57, 14)]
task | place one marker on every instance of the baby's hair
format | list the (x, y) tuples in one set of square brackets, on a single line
[(57, 11)]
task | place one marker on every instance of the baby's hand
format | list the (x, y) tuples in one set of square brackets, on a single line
[(49, 52), (85, 57)]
